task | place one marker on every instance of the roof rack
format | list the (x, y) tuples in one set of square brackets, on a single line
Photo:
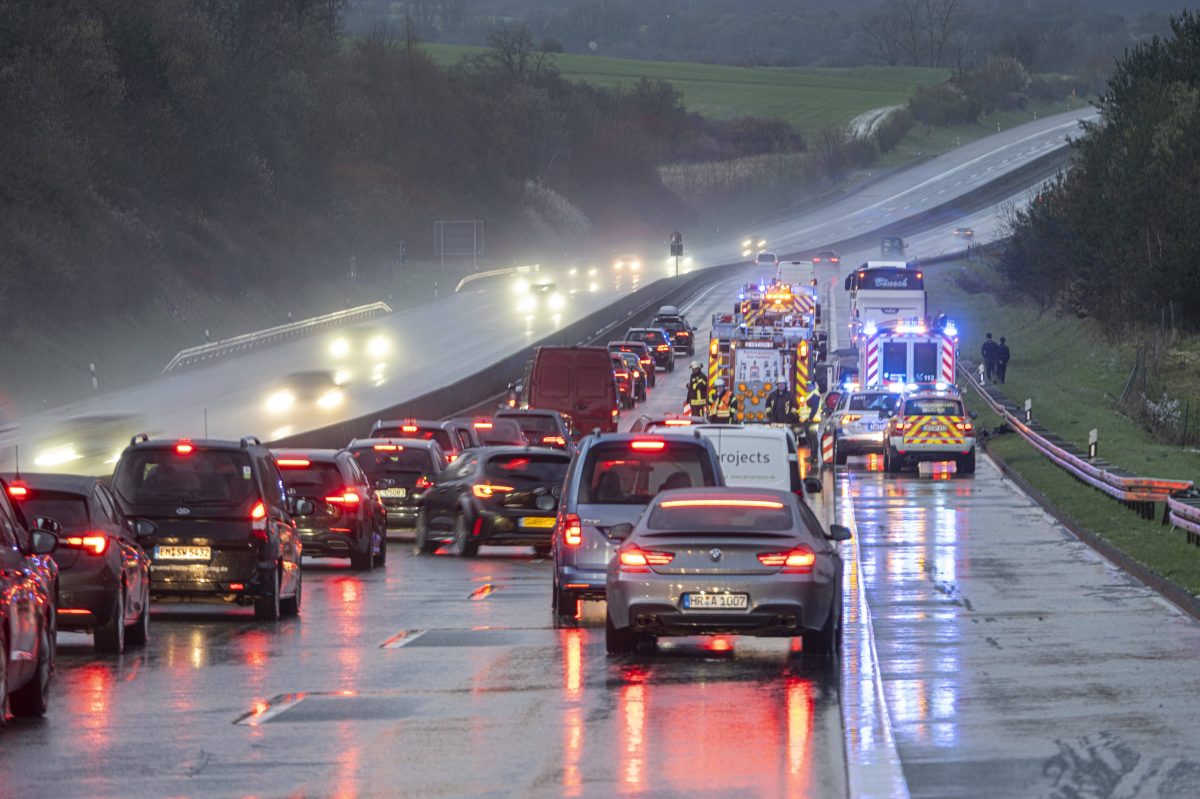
[(248, 441), (140, 438)]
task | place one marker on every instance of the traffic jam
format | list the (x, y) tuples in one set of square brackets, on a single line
[(664, 486)]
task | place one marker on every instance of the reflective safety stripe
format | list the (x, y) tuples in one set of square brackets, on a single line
[(920, 433)]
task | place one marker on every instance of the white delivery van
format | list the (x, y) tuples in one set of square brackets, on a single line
[(758, 456)]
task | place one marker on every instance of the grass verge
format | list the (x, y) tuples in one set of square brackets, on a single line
[(1160, 549)]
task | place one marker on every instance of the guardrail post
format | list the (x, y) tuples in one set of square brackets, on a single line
[(1028, 411), (95, 380), (1093, 443)]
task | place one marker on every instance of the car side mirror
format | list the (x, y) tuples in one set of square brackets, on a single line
[(838, 532), (42, 542), (302, 507), (48, 524), (143, 528), (973, 414), (620, 531), (812, 485)]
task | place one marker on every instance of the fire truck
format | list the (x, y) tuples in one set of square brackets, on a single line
[(761, 358), (908, 352), (724, 325)]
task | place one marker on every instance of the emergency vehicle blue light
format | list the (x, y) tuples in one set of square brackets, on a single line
[(941, 386), (869, 329), (950, 329)]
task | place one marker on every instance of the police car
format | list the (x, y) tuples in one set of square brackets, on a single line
[(858, 422), (930, 424)]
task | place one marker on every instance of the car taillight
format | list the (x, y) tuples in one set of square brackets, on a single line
[(408, 428), (184, 448), (640, 560), (965, 426), (424, 482), (483, 425), (488, 490), (572, 530), (663, 347), (645, 361), (648, 445), (348, 498), (622, 375), (293, 463), (851, 417), (91, 543), (559, 440), (18, 492), (902, 426), (258, 520), (798, 561), (387, 448), (615, 413)]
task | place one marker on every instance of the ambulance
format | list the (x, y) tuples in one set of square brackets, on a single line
[(907, 353), (930, 424)]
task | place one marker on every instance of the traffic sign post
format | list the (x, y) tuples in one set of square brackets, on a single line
[(677, 249)]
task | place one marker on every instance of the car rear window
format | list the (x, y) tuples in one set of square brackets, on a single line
[(536, 426), (69, 510), (437, 434), (932, 406), (502, 431), (673, 324), (648, 336), (617, 474), (220, 478), (874, 402), (376, 462), (749, 515), (527, 469), (317, 479)]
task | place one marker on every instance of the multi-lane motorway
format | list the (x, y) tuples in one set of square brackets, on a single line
[(988, 653)]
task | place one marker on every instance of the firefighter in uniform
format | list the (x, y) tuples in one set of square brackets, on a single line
[(779, 405), (813, 421), (697, 391), (722, 405)]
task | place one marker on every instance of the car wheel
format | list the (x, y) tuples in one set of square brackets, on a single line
[(138, 633), (364, 561), (381, 559), (563, 605), (421, 537), (839, 456), (966, 464), (891, 461), (110, 638), (825, 641), (621, 641), (33, 699), (291, 605), (267, 608), (541, 552), (671, 366), (462, 538), (3, 678)]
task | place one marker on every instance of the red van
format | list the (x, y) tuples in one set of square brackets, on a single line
[(575, 381)]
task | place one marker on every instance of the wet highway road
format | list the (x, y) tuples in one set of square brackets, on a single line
[(434, 677)]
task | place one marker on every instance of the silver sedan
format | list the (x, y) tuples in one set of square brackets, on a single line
[(707, 561)]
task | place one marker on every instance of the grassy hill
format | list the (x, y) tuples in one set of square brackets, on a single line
[(809, 98)]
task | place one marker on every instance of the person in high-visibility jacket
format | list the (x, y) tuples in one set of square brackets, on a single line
[(722, 404), (697, 391), (779, 405)]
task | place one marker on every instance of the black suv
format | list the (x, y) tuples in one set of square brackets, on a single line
[(659, 343), (216, 521), (400, 471), (348, 520), (683, 337)]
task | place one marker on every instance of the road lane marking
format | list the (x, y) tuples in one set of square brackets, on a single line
[(402, 638), (873, 766), (262, 712), (484, 591)]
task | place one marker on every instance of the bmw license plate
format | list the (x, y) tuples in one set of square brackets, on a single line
[(536, 521), (716, 601), (393, 493), (183, 553)]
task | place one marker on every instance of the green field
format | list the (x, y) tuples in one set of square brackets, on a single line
[(1073, 375), (811, 99)]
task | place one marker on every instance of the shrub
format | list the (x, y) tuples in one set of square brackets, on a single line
[(943, 104), (893, 128)]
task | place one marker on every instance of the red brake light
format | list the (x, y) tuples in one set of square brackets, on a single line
[(640, 560), (723, 503), (18, 492), (259, 511), (645, 445), (293, 463), (387, 447), (559, 440), (258, 520), (677, 422), (424, 482), (349, 497), (572, 530), (663, 347), (408, 428), (92, 543), (622, 375), (965, 426), (488, 490), (646, 361), (798, 561), (483, 425), (184, 448)]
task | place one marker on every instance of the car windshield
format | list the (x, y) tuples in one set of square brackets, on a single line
[(201, 477), (317, 479), (741, 515), (525, 469), (932, 406), (673, 324), (873, 402), (390, 462), (69, 510), (617, 474)]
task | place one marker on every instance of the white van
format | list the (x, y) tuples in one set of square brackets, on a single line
[(758, 456)]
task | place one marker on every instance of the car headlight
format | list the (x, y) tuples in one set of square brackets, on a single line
[(340, 347), (378, 347), (556, 302), (526, 303), (330, 399), (520, 286), (635, 265), (280, 401)]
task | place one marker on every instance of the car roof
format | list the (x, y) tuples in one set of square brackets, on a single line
[(68, 483), (492, 451), (311, 454), (724, 492), (401, 422), (516, 412), (249, 442), (746, 431), (408, 443)]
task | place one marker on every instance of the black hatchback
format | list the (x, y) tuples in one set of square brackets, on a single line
[(103, 573), (216, 521), (399, 470), (497, 496)]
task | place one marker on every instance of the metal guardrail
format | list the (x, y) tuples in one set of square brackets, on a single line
[(508, 270), (216, 349), (1184, 512), (1139, 492)]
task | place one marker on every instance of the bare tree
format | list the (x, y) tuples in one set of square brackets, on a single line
[(914, 32)]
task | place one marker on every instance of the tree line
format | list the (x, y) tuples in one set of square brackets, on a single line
[(232, 144), (1115, 237)]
